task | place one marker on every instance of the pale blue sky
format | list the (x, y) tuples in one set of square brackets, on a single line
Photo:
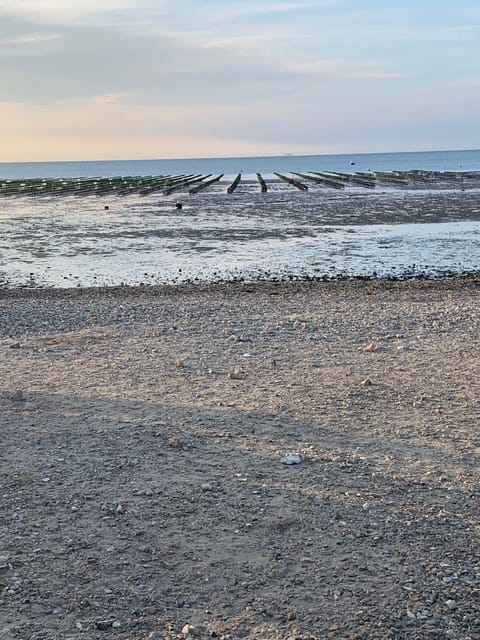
[(106, 79)]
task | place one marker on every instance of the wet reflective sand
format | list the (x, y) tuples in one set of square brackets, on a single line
[(68, 241)]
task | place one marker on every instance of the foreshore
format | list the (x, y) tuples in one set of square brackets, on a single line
[(142, 488)]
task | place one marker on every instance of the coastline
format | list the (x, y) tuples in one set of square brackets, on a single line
[(143, 432)]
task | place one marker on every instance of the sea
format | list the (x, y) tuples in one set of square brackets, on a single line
[(426, 227)]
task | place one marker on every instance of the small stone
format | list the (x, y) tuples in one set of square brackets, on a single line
[(205, 486), (179, 363), (175, 443), (116, 625), (291, 615), (293, 458), (423, 615), (103, 625), (186, 630), (366, 383), (369, 348), (3, 562), (411, 615), (236, 374), (451, 604)]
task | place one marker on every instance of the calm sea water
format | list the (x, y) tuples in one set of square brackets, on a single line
[(428, 160), (75, 241)]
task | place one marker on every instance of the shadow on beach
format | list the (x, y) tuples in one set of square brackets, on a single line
[(121, 518)]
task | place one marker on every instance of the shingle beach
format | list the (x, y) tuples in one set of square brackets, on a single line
[(241, 461)]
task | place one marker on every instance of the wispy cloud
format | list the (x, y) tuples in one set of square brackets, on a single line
[(61, 11), (298, 74)]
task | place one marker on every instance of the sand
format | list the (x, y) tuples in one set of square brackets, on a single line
[(142, 488)]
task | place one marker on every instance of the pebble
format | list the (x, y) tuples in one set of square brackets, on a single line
[(205, 486), (103, 625), (366, 383), (293, 458), (236, 374), (451, 604), (175, 443), (369, 348)]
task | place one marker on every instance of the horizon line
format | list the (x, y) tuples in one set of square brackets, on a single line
[(239, 157)]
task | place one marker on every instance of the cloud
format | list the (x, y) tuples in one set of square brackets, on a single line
[(278, 75), (61, 11)]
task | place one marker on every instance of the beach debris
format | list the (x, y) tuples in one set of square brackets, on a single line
[(179, 363), (369, 348), (292, 458), (178, 205), (235, 374), (206, 486), (18, 396), (366, 383), (103, 625), (15, 345), (174, 443)]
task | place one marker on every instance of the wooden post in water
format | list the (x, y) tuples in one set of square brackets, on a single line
[(234, 184), (294, 183), (263, 184), (204, 185)]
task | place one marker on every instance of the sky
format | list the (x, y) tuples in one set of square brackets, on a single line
[(114, 79)]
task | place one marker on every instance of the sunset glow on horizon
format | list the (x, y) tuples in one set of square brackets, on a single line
[(161, 79)]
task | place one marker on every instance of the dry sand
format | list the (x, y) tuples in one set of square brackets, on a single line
[(142, 491)]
